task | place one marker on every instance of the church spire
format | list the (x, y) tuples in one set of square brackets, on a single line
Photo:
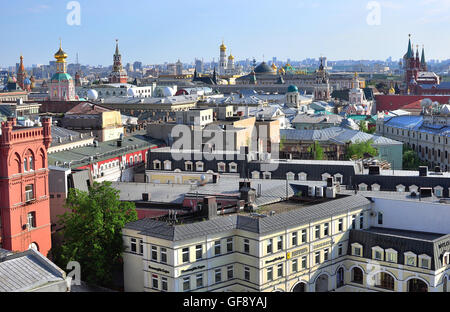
[(422, 60), (410, 52), (117, 47)]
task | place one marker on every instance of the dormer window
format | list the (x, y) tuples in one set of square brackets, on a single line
[(391, 255), (410, 259), (377, 253), (424, 261), (357, 249)]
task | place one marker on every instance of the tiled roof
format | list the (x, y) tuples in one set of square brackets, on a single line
[(26, 271), (264, 225)]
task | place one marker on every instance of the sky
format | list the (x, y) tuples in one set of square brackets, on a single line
[(155, 31)]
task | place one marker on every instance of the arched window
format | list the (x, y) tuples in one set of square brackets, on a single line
[(357, 276), (300, 287), (384, 280), (340, 278), (417, 285), (444, 284)]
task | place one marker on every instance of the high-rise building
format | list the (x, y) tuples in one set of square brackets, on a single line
[(199, 66)]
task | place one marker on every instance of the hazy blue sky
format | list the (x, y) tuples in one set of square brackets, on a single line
[(154, 31)]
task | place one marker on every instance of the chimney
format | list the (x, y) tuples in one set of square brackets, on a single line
[(329, 182), (423, 171), (210, 206), (374, 170)]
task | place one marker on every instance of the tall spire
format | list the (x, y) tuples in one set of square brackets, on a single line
[(117, 46), (409, 54), (422, 60)]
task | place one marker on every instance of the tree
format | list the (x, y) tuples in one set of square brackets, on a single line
[(361, 150), (363, 128), (92, 233), (282, 142), (411, 160), (316, 150)]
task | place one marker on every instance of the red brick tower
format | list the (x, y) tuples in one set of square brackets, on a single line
[(24, 204)]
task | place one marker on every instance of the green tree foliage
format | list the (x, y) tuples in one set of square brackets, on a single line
[(316, 150), (363, 128), (361, 150), (411, 160), (282, 142), (92, 233)]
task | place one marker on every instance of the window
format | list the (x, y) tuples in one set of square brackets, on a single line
[(424, 263), (25, 165), (270, 274), (356, 250), (269, 245), (304, 237), (199, 166), (304, 262), (31, 163), (317, 257), (410, 259), (221, 167), (380, 218), (185, 255), (141, 247), (353, 222), (229, 244), (31, 220), (325, 229), (357, 275), (155, 281), (341, 225), (217, 248), (280, 243), (294, 239), (186, 283), (246, 246), (218, 275), (378, 255), (340, 249), (199, 279), (280, 270), (198, 252), (326, 253), (163, 283), (154, 253), (361, 221), (340, 278), (230, 272), (163, 255), (294, 265), (247, 273), (29, 193), (133, 245), (384, 280), (317, 232)]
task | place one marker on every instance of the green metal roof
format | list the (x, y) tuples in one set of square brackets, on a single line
[(61, 77), (81, 156), (292, 88)]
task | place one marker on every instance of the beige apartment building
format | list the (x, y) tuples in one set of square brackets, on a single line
[(338, 245)]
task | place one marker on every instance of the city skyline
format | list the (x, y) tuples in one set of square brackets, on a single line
[(166, 32)]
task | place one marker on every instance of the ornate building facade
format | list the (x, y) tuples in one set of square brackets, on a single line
[(24, 208), (322, 88)]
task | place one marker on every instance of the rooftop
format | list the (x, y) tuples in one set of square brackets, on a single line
[(257, 225), (81, 156)]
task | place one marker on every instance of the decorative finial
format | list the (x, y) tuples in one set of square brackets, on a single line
[(60, 43)]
